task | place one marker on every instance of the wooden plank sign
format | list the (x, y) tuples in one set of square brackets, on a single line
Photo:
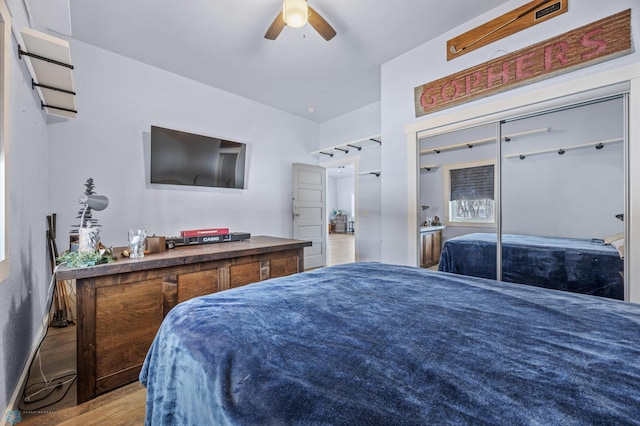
[(605, 39), (519, 19)]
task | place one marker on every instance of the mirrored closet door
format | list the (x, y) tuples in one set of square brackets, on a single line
[(542, 207), (562, 199), (458, 191)]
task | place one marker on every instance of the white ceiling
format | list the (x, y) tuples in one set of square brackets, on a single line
[(221, 43)]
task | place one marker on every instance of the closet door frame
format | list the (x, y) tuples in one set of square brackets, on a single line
[(623, 80)]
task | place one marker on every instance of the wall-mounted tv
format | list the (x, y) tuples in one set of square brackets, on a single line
[(181, 158)]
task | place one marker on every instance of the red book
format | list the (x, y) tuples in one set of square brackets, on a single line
[(204, 232)]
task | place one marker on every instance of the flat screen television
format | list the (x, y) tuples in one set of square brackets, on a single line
[(181, 158)]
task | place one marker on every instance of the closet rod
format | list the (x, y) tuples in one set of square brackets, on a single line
[(471, 144), (596, 144)]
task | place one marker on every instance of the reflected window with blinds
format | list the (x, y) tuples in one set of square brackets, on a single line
[(471, 193)]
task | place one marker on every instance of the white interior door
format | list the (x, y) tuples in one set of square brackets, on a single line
[(309, 219)]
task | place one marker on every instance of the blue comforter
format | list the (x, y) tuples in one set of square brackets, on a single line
[(370, 343), (570, 264)]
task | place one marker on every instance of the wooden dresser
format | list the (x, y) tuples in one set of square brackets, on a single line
[(120, 305)]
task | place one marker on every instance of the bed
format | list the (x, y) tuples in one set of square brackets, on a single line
[(570, 264), (372, 343)]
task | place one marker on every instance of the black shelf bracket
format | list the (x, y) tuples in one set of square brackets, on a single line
[(346, 151), (57, 89), (22, 53), (330, 154), (359, 148), (375, 173), (375, 140), (43, 106)]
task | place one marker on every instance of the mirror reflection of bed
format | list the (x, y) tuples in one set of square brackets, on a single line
[(559, 201)]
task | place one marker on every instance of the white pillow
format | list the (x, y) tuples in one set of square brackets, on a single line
[(611, 238), (619, 245)]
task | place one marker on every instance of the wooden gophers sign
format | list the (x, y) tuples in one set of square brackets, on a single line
[(602, 40)]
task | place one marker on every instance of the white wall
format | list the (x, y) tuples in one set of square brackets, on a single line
[(332, 196), (574, 195), (23, 295), (118, 100), (357, 125), (345, 191), (427, 63)]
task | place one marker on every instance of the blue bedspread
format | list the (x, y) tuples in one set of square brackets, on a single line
[(570, 264), (370, 343)]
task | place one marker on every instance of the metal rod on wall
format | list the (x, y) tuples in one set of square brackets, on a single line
[(43, 106), (57, 89), (41, 58)]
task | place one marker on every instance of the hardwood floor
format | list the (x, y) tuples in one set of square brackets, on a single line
[(341, 248), (56, 364), (123, 406)]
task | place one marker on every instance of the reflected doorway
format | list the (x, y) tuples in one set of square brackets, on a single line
[(341, 213)]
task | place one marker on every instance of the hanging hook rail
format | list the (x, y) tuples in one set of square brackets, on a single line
[(346, 147), (377, 173), (596, 144), (470, 144)]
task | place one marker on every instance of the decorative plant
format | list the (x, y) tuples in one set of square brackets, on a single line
[(74, 259)]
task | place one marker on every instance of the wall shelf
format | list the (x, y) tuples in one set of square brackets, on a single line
[(345, 148), (471, 144), (49, 62), (596, 144)]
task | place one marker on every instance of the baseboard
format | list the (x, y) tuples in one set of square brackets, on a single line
[(14, 402)]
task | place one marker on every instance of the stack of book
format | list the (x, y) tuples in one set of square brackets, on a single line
[(206, 236)]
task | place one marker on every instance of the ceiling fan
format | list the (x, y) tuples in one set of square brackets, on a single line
[(296, 13)]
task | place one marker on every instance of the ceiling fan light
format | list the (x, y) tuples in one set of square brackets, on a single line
[(295, 12)]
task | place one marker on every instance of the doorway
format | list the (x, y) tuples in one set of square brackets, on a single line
[(341, 212)]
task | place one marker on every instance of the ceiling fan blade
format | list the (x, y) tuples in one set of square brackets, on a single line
[(275, 28), (321, 25)]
